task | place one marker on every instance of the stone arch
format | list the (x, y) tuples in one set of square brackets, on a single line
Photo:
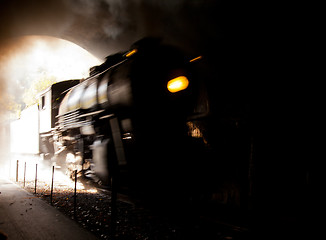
[(94, 28), (104, 27)]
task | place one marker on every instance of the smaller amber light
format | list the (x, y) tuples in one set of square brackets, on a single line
[(130, 53), (178, 84), (196, 59)]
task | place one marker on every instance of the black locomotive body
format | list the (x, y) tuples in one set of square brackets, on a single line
[(131, 119)]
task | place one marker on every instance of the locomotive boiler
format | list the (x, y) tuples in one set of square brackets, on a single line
[(131, 118)]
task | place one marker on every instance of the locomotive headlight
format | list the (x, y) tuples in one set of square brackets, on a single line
[(178, 84)]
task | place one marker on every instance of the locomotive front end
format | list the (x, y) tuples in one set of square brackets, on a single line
[(129, 118)]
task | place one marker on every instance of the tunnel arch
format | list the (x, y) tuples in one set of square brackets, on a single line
[(82, 22), (104, 27), (31, 57), (100, 48)]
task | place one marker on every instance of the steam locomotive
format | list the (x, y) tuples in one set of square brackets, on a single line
[(148, 121), (133, 118)]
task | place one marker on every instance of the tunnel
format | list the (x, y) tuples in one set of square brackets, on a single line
[(248, 82)]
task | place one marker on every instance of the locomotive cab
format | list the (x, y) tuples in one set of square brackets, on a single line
[(49, 101)]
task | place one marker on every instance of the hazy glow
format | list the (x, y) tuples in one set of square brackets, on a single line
[(67, 61), (178, 84), (36, 56), (25, 139), (61, 181), (33, 58)]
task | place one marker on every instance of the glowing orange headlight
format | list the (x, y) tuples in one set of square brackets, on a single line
[(178, 84)]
